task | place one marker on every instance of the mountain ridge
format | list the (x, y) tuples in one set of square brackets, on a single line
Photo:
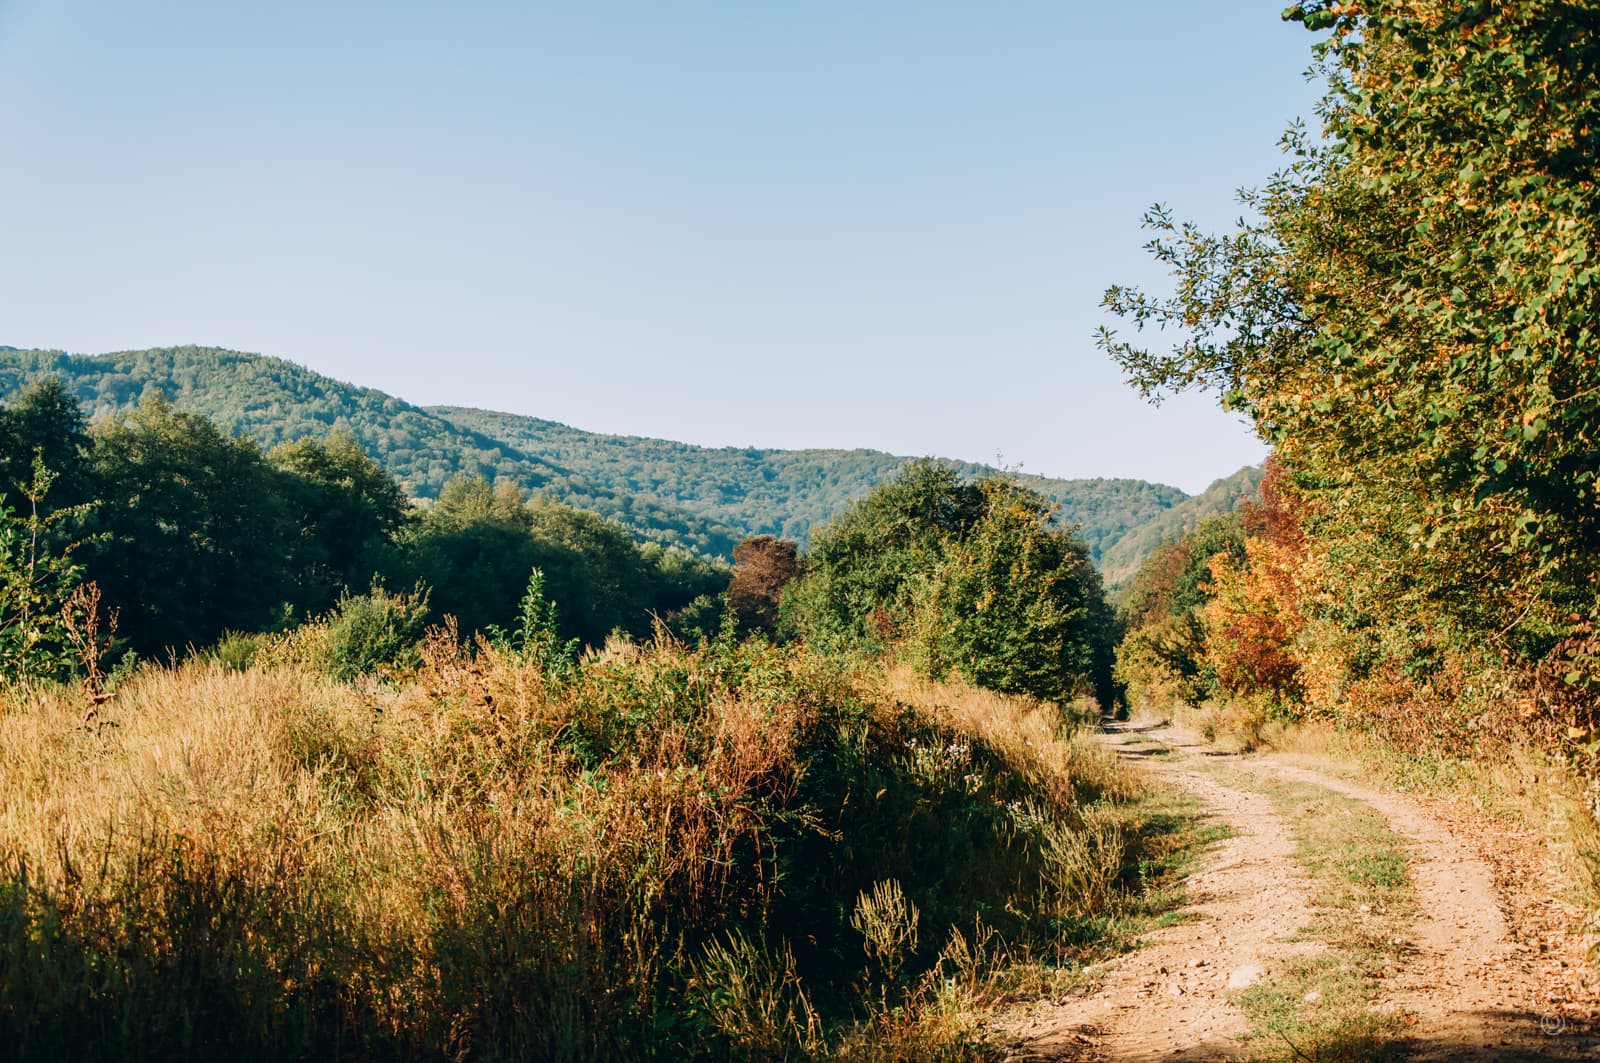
[(702, 498), (1105, 507)]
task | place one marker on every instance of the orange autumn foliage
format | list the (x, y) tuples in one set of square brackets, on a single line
[(1254, 617)]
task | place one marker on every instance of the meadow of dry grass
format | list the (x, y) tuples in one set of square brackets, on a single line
[(735, 851)]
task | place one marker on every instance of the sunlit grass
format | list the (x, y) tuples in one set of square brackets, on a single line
[(665, 851)]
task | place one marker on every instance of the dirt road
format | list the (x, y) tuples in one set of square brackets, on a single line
[(1477, 979)]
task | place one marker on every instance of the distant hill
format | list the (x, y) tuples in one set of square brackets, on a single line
[(784, 492), (706, 499), (276, 401), (1122, 559)]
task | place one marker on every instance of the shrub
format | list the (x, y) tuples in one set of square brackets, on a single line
[(237, 649), (373, 632), (40, 603), (967, 578)]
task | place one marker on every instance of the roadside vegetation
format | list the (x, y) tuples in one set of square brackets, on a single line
[(421, 824), (738, 850)]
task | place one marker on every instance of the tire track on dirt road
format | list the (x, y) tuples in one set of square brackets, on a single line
[(1471, 990), (1171, 998)]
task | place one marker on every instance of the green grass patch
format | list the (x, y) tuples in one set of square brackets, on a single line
[(1346, 847), (1319, 1007)]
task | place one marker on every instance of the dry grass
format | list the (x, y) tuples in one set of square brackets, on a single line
[(656, 854), (1037, 739)]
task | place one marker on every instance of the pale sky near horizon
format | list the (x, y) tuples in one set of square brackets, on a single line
[(828, 224)]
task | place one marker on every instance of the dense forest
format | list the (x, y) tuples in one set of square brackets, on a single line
[(787, 493), (187, 534), (699, 498), (177, 536), (273, 402), (1408, 316)]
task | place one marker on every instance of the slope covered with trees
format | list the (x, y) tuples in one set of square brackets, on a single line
[(274, 401), (187, 533), (704, 499), (1122, 558), (786, 493)]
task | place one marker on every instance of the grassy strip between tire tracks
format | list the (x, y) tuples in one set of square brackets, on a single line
[(1321, 1006)]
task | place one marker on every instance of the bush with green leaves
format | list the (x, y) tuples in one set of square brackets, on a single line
[(373, 632), (537, 635), (973, 578), (861, 572), (477, 546), (238, 649), (1016, 606), (41, 604)]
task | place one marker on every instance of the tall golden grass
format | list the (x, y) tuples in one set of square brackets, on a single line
[(734, 851)]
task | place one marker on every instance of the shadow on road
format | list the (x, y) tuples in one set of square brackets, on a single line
[(1542, 1037)]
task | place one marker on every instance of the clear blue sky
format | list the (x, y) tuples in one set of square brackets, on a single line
[(736, 223)]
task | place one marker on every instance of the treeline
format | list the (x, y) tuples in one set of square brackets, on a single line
[(787, 493), (188, 532), (701, 498), (1119, 563), (1411, 321), (276, 402)]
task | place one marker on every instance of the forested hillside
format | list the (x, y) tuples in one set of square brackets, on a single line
[(178, 535), (787, 493), (706, 499), (275, 401), (1122, 558)]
